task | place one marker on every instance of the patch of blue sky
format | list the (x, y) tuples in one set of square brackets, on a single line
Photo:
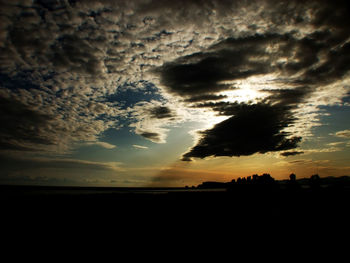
[(336, 119), (122, 138), (178, 142), (128, 94)]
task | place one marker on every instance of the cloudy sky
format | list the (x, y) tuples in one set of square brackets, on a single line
[(172, 93)]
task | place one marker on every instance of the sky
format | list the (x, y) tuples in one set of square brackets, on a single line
[(172, 93)]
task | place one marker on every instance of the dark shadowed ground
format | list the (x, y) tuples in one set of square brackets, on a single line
[(236, 204), (178, 219)]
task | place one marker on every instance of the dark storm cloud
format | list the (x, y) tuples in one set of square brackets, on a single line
[(253, 129), (316, 58), (286, 99), (333, 14), (332, 19), (21, 127), (221, 107), (336, 65), (288, 96), (206, 97), (204, 72), (239, 58), (161, 112)]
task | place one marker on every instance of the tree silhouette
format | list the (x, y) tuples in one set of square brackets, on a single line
[(315, 181), (292, 183), (292, 177)]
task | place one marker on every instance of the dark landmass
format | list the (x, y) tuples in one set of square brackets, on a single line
[(257, 201), (266, 179), (243, 193)]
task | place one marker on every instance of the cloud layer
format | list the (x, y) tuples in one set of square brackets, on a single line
[(63, 61)]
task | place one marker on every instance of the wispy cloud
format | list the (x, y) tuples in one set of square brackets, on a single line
[(57, 170), (52, 162), (343, 134), (335, 144), (330, 149), (139, 146), (105, 145), (152, 119)]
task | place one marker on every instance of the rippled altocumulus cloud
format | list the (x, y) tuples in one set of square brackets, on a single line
[(62, 60)]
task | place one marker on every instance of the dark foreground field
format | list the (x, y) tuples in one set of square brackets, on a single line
[(147, 204), (177, 219)]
